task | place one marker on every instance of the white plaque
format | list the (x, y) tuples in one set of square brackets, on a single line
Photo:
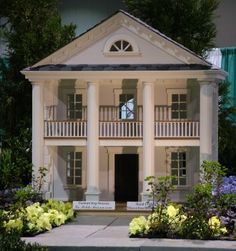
[(139, 205), (94, 205)]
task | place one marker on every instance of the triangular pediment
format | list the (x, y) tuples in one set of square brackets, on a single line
[(149, 45)]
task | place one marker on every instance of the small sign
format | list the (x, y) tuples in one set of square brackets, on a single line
[(139, 205), (94, 205)]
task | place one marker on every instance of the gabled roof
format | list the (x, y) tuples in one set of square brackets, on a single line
[(108, 25)]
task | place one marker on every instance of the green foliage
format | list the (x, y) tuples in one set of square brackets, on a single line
[(204, 203), (32, 30), (227, 129), (212, 173), (12, 242), (188, 22), (37, 217), (15, 169), (26, 195), (159, 189), (164, 222), (39, 180)]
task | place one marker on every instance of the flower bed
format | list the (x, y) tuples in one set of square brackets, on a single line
[(38, 218), (209, 212)]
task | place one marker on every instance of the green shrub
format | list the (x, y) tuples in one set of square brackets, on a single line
[(12, 242)]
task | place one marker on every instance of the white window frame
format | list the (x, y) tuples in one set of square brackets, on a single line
[(117, 93), (69, 91), (117, 37), (74, 169), (170, 150), (170, 92)]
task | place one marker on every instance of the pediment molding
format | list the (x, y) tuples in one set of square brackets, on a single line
[(134, 25)]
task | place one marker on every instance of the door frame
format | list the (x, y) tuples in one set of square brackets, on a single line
[(111, 151)]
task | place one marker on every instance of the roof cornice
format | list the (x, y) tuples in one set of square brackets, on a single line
[(39, 76)]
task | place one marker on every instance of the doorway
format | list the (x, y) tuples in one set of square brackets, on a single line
[(126, 177)]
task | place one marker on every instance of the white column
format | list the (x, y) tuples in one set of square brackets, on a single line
[(206, 120), (37, 127), (92, 193), (215, 123), (148, 135)]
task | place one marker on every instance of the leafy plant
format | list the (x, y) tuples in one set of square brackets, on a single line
[(12, 242), (37, 217), (159, 189), (189, 22), (39, 180)]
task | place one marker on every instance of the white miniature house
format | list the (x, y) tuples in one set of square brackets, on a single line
[(119, 103)]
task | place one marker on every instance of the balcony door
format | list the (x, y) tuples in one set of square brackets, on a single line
[(74, 106), (126, 177)]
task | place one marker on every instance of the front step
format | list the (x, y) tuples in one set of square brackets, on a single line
[(121, 210)]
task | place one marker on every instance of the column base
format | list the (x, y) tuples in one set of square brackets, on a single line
[(92, 196)]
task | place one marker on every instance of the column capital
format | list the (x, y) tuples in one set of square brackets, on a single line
[(148, 82), (208, 81)]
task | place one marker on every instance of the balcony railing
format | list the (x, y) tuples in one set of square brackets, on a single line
[(65, 129), (122, 129), (110, 125), (176, 129)]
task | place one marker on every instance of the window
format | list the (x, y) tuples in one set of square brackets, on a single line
[(74, 106), (178, 168), (74, 168), (121, 46), (126, 106), (179, 106)]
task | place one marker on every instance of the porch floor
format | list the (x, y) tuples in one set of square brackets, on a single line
[(111, 233)]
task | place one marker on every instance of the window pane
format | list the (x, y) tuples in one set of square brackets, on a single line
[(129, 48), (175, 97), (183, 115), (118, 44), (175, 115), (182, 172), (78, 163), (182, 181), (183, 106), (174, 155), (69, 180), (174, 172), (175, 106), (174, 164), (174, 181), (125, 44), (113, 48), (78, 181), (78, 155), (77, 172), (182, 155), (183, 97), (78, 97)]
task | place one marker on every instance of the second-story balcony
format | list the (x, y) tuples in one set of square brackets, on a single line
[(112, 127)]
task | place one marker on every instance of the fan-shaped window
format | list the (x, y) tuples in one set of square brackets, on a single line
[(121, 46)]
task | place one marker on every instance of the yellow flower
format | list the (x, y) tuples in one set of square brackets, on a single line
[(172, 211), (214, 223), (16, 224), (138, 225), (223, 230)]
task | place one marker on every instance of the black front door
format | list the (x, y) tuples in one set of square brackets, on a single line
[(126, 177)]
